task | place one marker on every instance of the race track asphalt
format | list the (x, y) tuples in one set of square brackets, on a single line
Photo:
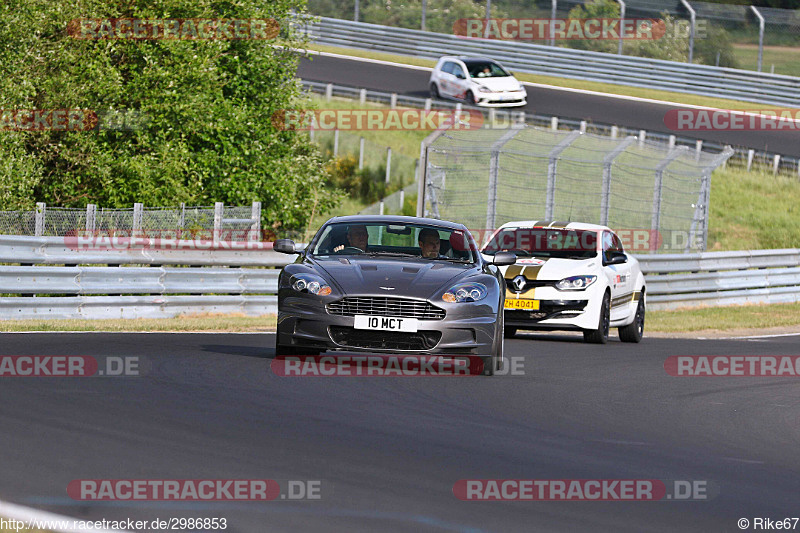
[(546, 101), (388, 450)]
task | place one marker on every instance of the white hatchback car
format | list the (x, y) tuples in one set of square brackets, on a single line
[(477, 81), (570, 276)]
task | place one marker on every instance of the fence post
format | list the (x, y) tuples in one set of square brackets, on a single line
[(671, 142), (642, 137), (336, 142), (760, 35), (614, 132), (355, 12), (91, 212), (255, 229), (583, 126), (655, 216), (41, 209), (393, 100), (750, 154), (182, 218), (693, 19), (423, 168), (554, 123), (388, 163), (552, 165), (621, 22), (329, 92), (552, 28), (776, 163), (218, 207), (698, 149), (362, 96), (494, 170), (488, 16), (428, 104), (424, 9), (608, 160), (137, 216), (361, 153)]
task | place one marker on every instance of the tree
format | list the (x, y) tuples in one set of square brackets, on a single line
[(202, 107)]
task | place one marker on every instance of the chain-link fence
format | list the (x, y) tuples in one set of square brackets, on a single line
[(402, 202), (716, 25), (60, 221), (485, 178)]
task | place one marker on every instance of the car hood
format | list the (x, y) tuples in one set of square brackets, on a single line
[(552, 269), (420, 279), (498, 84)]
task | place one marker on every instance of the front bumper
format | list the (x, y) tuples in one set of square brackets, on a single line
[(559, 310), (465, 330), (501, 99)]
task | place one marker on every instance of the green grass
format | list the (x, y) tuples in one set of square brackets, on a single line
[(724, 318), (785, 59), (683, 320), (638, 92), (753, 210)]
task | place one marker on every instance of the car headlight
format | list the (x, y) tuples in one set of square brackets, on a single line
[(310, 283), (483, 89), (575, 283), (465, 292)]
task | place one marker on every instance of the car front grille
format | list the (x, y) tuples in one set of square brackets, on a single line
[(384, 340), (382, 306)]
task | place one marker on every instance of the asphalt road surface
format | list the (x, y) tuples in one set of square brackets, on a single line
[(591, 107), (388, 451)]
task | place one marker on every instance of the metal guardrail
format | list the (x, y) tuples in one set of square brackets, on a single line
[(722, 278), (742, 155), (227, 282), (96, 292), (749, 86)]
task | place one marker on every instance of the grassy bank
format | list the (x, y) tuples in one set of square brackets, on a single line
[(684, 320)]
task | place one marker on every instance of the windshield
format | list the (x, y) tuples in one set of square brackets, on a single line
[(395, 240), (486, 69), (544, 242)]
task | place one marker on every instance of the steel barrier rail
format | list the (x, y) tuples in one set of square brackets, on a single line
[(786, 163), (722, 278), (705, 80), (61, 251)]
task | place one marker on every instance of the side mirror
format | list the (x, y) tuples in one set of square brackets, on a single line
[(617, 258), (504, 258), (284, 246)]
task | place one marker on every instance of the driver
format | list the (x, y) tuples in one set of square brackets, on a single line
[(429, 243), (357, 237)]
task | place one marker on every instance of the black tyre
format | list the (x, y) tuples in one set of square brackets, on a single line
[(494, 362), (509, 332), (634, 331), (434, 91), (600, 335), (470, 98)]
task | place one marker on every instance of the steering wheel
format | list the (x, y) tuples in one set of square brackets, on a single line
[(351, 250)]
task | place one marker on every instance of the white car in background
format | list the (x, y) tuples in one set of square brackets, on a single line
[(570, 276), (476, 81)]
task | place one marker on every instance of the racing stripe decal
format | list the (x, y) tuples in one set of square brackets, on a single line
[(622, 299)]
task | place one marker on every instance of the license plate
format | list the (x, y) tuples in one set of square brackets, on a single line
[(385, 323), (522, 304)]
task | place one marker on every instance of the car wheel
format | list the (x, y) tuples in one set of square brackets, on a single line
[(509, 332), (600, 335), (434, 91), (634, 331), (470, 98)]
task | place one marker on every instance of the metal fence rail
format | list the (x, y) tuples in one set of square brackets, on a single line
[(722, 278), (689, 78)]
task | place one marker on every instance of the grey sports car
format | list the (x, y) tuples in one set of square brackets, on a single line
[(395, 284)]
